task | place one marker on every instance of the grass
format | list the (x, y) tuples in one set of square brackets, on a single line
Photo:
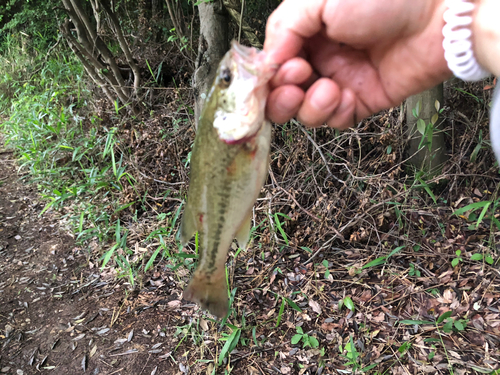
[(63, 148)]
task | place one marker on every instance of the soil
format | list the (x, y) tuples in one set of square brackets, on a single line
[(57, 314)]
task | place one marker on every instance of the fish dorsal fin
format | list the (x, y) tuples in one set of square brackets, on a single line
[(243, 233)]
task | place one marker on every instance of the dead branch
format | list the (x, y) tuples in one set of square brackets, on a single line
[(234, 9)]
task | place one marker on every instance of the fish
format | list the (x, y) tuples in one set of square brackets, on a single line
[(229, 165)]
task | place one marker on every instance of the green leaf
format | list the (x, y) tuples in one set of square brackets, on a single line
[(444, 316), (455, 262), (431, 339), (421, 126), (313, 341), (231, 340), (473, 155), (476, 256), (280, 314), (349, 304), (495, 220), (374, 263), (368, 368), (448, 327), (431, 355), (472, 206), (411, 322), (280, 228), (296, 338), (108, 255), (489, 260), (434, 118), (404, 347), (305, 340), (152, 259), (418, 107), (427, 189), (395, 251), (437, 105), (483, 213), (459, 325), (293, 305)]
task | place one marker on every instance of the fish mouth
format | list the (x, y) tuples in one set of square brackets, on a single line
[(241, 50), (253, 61)]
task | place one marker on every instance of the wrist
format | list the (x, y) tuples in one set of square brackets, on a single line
[(458, 42), (486, 34)]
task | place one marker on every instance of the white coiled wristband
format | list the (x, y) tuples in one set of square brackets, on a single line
[(457, 41), (460, 57)]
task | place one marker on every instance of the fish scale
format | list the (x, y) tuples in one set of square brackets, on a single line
[(228, 168)]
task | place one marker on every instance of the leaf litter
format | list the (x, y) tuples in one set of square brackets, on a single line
[(327, 270)]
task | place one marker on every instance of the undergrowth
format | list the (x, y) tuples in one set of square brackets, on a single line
[(62, 147)]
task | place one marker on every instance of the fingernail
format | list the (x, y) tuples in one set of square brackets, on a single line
[(322, 99)]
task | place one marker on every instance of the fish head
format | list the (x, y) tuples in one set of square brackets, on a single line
[(240, 92)]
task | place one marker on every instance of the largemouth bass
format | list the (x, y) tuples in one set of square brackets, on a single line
[(228, 168)]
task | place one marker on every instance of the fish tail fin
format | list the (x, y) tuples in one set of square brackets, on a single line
[(209, 291)]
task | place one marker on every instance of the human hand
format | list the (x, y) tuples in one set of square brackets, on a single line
[(344, 60)]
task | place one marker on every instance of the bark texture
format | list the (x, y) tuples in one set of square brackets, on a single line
[(213, 44), (424, 157)]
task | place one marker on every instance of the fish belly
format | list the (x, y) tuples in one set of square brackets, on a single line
[(225, 182)]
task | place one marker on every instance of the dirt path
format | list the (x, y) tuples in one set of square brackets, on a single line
[(56, 315)]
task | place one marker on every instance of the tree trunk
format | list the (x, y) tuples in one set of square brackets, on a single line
[(424, 132), (213, 44)]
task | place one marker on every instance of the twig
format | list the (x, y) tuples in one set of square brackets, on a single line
[(165, 199), (254, 352), (303, 209), (325, 246), (301, 127), (162, 182)]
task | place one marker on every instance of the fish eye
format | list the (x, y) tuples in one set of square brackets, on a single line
[(226, 75)]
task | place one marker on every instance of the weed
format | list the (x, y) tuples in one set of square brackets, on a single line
[(279, 225), (413, 271), (444, 323), (73, 164), (347, 302), (306, 339), (455, 261), (382, 260), (353, 357)]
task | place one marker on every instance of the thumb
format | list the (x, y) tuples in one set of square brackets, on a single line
[(289, 25)]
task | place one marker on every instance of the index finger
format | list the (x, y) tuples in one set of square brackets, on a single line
[(289, 25)]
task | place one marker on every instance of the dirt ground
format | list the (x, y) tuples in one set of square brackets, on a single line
[(59, 316)]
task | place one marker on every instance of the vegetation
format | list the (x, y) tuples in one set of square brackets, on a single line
[(358, 261)]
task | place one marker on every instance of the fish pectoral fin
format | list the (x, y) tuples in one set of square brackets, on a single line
[(188, 226), (243, 233)]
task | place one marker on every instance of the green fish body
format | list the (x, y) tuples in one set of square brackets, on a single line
[(228, 168)]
